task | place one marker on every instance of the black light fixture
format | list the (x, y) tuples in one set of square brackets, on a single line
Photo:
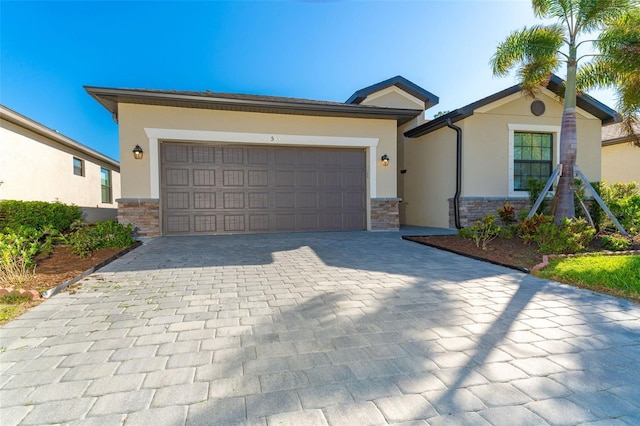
[(138, 152), (385, 160)]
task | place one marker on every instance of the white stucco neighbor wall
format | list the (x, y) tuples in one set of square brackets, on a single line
[(36, 168)]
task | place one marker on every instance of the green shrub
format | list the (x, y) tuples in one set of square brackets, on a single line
[(572, 236), (108, 234), (597, 214), (529, 226), (507, 214), (18, 250), (38, 214), (616, 242), (623, 199), (484, 231)]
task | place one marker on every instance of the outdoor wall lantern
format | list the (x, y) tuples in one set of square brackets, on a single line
[(138, 152), (385, 160)]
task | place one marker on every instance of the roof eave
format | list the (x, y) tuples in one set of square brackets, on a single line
[(33, 126), (110, 98)]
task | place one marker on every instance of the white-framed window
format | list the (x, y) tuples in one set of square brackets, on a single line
[(534, 152), (105, 185), (78, 166)]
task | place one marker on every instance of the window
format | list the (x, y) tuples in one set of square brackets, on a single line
[(78, 167), (105, 182), (533, 154), (532, 158)]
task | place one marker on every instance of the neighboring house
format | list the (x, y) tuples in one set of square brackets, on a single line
[(620, 158), (217, 163), (40, 164)]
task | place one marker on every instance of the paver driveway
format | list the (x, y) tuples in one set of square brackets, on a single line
[(313, 329)]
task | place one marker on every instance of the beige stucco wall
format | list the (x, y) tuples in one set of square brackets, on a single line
[(486, 142), (133, 119), (621, 163), (430, 178), (35, 168), (430, 159)]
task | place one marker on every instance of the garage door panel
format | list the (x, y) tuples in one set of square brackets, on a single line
[(234, 223), (204, 200), (205, 223), (176, 177), (258, 200), (307, 221), (353, 200), (203, 154), (284, 178), (177, 200), (176, 224), (330, 179), (233, 177), (259, 222), (306, 178), (204, 177), (285, 200), (285, 221), (176, 154), (352, 159), (258, 156), (233, 200), (284, 157), (232, 155), (216, 188), (307, 200), (258, 178)]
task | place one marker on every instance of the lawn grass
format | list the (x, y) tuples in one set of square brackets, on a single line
[(616, 275), (13, 305)]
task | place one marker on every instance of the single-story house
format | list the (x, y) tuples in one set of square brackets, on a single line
[(620, 157), (39, 164), (215, 163)]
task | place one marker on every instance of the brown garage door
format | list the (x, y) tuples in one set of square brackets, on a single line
[(221, 189)]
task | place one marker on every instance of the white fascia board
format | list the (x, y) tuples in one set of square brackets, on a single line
[(544, 91), (156, 135)]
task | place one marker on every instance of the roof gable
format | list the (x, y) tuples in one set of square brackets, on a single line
[(400, 82), (587, 103)]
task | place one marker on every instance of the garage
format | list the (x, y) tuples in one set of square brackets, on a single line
[(230, 188)]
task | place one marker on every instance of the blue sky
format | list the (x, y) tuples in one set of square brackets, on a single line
[(306, 49)]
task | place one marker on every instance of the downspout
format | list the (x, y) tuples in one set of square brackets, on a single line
[(456, 197)]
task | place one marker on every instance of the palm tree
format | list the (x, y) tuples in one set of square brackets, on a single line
[(618, 67), (538, 51)]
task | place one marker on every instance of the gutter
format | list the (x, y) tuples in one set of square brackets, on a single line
[(456, 197)]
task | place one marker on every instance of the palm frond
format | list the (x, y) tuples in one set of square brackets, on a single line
[(538, 44), (593, 14)]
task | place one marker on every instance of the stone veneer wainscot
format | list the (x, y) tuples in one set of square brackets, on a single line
[(385, 215), (142, 213), (474, 208)]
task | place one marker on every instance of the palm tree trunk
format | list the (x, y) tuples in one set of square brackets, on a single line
[(568, 150), (568, 143)]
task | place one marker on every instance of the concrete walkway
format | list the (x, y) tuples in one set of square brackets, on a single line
[(352, 328)]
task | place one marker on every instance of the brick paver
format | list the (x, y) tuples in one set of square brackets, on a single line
[(319, 329)]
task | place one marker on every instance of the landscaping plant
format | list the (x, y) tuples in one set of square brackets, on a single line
[(108, 234), (18, 250), (616, 242), (38, 215), (483, 231)]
